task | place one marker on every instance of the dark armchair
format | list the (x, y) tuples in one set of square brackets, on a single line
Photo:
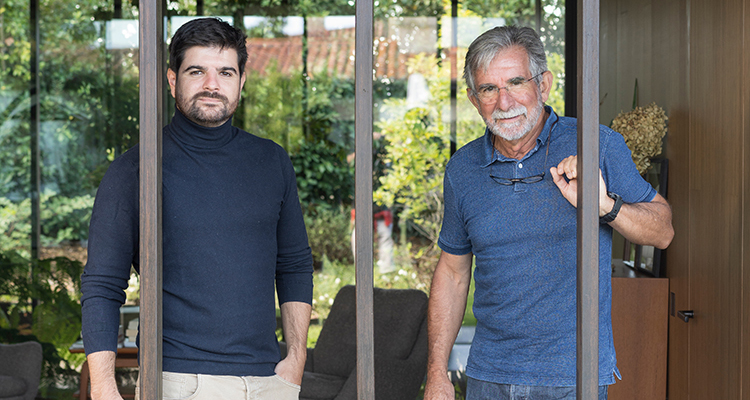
[(400, 318), (20, 370)]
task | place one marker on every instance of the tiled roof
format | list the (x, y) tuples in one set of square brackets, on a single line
[(332, 51)]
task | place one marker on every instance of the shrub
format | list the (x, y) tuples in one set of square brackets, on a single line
[(328, 232), (55, 320), (323, 175), (63, 219)]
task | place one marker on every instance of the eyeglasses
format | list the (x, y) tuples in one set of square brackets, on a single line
[(487, 94), (528, 179)]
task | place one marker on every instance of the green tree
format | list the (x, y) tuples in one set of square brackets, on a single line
[(417, 148)]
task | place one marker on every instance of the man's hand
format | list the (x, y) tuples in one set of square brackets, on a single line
[(291, 370), (646, 223), (569, 189), (439, 387), (102, 370)]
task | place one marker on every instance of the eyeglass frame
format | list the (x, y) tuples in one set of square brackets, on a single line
[(506, 87), (529, 179)]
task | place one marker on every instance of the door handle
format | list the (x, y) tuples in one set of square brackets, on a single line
[(685, 315)]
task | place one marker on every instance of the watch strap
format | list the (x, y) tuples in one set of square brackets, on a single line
[(610, 216)]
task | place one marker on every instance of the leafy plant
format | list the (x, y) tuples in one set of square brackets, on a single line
[(66, 218), (417, 153), (63, 219), (328, 232), (271, 103), (417, 150), (44, 302), (323, 175)]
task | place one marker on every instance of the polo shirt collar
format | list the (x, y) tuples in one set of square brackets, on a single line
[(490, 155)]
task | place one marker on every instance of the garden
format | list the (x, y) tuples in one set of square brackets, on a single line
[(89, 116)]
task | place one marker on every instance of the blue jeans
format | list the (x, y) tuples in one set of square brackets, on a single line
[(481, 390)]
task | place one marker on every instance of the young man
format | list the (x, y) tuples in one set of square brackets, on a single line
[(510, 199), (233, 237)]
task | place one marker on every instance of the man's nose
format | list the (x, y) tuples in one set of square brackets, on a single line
[(505, 100), (211, 81)]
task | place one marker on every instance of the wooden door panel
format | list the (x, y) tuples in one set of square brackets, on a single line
[(716, 144)]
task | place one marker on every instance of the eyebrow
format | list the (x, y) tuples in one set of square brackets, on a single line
[(202, 68), (508, 82)]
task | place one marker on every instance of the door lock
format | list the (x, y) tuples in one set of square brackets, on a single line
[(685, 315)]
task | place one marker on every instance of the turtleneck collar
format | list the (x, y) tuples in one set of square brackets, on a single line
[(200, 137)]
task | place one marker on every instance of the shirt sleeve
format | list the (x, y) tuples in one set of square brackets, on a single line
[(453, 236), (619, 171), (294, 281), (112, 249)]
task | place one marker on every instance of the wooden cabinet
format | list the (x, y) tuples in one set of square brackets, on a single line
[(640, 318)]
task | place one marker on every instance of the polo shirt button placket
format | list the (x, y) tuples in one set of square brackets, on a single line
[(519, 187)]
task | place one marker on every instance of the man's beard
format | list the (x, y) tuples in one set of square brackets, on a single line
[(518, 129), (210, 115)]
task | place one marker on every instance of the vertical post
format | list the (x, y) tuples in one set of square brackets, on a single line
[(151, 41), (571, 58), (587, 379), (538, 16), (454, 75), (363, 200), (34, 97)]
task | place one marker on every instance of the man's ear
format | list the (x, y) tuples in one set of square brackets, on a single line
[(172, 78), (546, 85), (243, 77)]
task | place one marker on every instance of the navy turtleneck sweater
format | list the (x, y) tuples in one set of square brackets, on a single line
[(232, 227)]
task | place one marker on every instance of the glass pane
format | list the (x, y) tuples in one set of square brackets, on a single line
[(88, 116), (417, 58), (299, 93)]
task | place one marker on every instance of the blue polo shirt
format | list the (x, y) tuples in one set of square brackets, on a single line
[(524, 239)]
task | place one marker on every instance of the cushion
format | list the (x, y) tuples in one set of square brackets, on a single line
[(11, 386), (320, 386)]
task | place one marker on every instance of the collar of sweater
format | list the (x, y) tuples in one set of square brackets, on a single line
[(200, 137)]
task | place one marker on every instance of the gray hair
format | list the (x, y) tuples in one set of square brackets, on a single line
[(485, 47)]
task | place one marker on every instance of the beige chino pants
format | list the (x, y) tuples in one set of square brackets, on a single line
[(177, 386)]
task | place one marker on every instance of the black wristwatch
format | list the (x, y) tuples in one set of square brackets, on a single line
[(610, 216)]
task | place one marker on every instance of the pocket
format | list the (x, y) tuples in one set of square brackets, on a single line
[(178, 386), (286, 382)]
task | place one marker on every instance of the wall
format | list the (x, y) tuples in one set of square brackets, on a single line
[(692, 57)]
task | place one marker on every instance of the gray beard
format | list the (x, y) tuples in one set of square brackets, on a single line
[(516, 130)]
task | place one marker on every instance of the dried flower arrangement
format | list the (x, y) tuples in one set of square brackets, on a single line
[(643, 129)]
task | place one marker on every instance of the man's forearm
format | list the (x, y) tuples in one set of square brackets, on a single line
[(447, 304), (102, 372), (646, 223), (450, 287), (295, 320)]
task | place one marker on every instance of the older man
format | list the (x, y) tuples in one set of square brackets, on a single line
[(233, 233), (510, 199)]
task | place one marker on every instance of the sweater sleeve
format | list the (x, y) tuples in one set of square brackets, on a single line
[(294, 258), (112, 249)]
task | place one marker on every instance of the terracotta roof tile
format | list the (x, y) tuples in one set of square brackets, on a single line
[(328, 51)]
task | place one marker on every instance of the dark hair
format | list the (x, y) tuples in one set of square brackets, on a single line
[(484, 49), (207, 32)]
